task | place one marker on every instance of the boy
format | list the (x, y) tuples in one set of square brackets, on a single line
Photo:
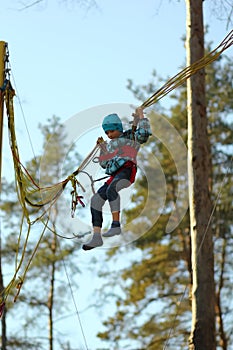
[(118, 157)]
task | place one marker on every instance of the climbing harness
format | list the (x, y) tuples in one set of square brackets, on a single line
[(128, 164)]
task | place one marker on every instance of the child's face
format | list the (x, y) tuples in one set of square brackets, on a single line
[(113, 134)]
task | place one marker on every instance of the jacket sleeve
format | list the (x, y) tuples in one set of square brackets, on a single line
[(143, 131)]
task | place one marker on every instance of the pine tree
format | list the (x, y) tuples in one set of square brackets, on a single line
[(42, 297)]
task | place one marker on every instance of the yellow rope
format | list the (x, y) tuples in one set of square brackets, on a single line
[(17, 282), (19, 175), (30, 193), (187, 72), (33, 253)]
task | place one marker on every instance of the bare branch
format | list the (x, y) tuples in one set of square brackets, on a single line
[(87, 4), (30, 5), (223, 9)]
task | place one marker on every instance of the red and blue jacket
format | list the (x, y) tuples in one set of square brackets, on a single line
[(123, 150)]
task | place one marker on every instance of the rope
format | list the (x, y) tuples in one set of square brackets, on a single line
[(187, 72), (17, 282), (30, 193), (198, 252), (28, 190), (170, 85), (27, 187)]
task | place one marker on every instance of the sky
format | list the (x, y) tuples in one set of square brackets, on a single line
[(66, 58)]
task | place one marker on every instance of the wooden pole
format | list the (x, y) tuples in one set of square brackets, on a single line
[(2, 77)]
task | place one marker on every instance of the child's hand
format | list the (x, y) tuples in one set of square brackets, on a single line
[(138, 113)]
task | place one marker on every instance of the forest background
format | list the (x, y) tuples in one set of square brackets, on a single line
[(64, 92)]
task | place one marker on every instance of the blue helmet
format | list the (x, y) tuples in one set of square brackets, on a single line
[(112, 122)]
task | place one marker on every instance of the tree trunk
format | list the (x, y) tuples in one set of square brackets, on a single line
[(2, 78), (202, 335)]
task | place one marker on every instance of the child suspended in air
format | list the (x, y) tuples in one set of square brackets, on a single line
[(118, 157)]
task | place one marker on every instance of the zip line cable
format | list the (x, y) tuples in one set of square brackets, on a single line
[(215, 204), (74, 300), (198, 251)]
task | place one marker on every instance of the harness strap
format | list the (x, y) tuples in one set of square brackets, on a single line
[(128, 164)]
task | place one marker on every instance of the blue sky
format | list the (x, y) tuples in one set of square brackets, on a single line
[(66, 59)]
